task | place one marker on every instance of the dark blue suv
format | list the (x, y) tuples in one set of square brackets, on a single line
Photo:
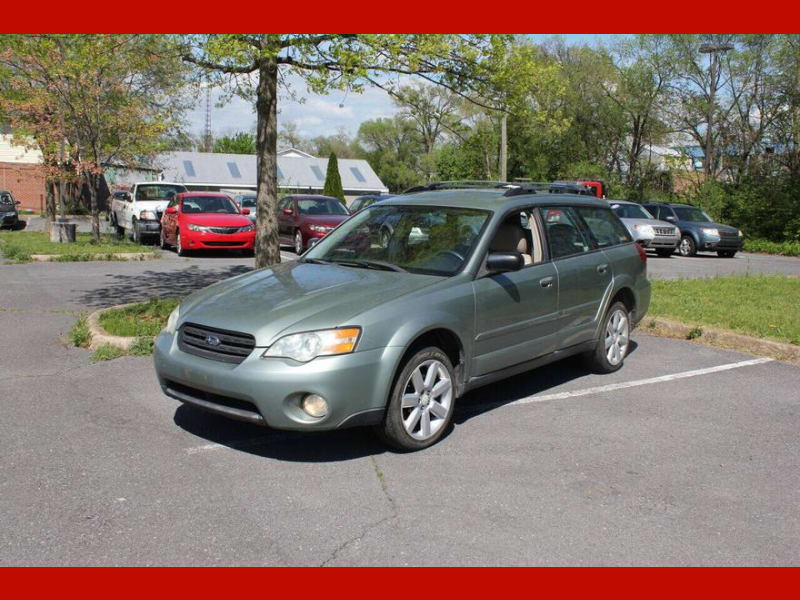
[(699, 232)]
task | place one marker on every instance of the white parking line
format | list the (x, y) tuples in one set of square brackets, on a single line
[(637, 382), (273, 437)]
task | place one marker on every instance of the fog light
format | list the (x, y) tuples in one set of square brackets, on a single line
[(314, 405)]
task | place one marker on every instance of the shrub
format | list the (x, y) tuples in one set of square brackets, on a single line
[(79, 335)]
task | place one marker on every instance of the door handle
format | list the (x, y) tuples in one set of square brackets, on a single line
[(546, 282), (602, 268)]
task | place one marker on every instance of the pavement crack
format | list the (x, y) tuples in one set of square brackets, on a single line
[(370, 526)]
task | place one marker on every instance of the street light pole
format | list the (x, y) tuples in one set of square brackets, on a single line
[(713, 50)]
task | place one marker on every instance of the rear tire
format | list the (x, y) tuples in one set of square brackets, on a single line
[(163, 240), (614, 342), (687, 247), (422, 402), (665, 252)]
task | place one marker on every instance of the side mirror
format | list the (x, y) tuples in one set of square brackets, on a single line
[(288, 212), (17, 202), (500, 262), (128, 197), (671, 218), (245, 211), (171, 210)]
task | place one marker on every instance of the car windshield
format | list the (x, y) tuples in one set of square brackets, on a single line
[(320, 206), (630, 211), (209, 204), (421, 239), (248, 201), (6, 199), (157, 191), (690, 213)]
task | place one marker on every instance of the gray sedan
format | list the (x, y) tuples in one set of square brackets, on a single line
[(661, 236), (364, 330)]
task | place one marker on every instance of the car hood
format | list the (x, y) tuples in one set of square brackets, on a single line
[(295, 296), (216, 220), (720, 226), (329, 220)]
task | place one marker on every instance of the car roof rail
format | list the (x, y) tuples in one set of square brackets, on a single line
[(458, 185), (532, 187)]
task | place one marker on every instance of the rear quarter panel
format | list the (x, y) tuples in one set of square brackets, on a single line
[(629, 272)]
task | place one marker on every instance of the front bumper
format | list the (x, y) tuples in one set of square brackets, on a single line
[(9, 219), (208, 240), (147, 227), (721, 243), (356, 386), (664, 241)]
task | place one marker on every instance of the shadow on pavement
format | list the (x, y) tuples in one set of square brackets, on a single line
[(357, 442), (172, 283), (322, 446)]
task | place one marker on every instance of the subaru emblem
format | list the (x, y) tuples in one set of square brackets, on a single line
[(212, 340)]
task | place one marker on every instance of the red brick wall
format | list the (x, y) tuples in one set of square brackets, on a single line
[(25, 182)]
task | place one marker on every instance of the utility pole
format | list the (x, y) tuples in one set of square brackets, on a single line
[(503, 149), (713, 50), (207, 137)]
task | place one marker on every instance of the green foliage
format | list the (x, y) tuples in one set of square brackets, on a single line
[(763, 306), (79, 335), (767, 247), (240, 143), (139, 320), (333, 180), (19, 245), (143, 346), (107, 352)]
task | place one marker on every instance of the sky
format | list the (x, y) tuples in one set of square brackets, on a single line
[(316, 114)]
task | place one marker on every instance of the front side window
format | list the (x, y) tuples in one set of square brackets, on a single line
[(421, 239), (320, 206), (606, 229), (564, 236), (630, 211), (209, 204), (691, 213)]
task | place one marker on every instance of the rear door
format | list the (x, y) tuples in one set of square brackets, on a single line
[(584, 274)]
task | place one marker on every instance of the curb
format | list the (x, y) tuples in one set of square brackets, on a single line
[(101, 257), (99, 336), (720, 337)]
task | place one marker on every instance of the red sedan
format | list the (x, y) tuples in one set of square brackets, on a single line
[(206, 221)]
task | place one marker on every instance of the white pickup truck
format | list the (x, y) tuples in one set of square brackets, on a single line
[(138, 213)]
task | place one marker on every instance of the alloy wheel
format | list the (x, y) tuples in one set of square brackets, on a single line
[(427, 400), (298, 243), (617, 335)]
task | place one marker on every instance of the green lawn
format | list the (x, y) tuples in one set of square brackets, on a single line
[(766, 306), (140, 320), (19, 245)]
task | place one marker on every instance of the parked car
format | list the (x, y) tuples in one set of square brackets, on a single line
[(303, 220), (661, 236), (249, 202), (390, 336), (699, 232), (9, 215), (206, 221), (138, 213), (363, 202)]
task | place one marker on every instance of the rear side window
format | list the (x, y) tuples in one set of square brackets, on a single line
[(564, 236), (604, 226)]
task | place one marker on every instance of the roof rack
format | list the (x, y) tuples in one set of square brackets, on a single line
[(458, 185), (513, 188)]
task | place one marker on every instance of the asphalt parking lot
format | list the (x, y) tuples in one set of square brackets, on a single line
[(688, 455)]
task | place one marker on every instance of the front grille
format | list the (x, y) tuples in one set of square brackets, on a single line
[(727, 235), (223, 243), (223, 230), (215, 344), (664, 230)]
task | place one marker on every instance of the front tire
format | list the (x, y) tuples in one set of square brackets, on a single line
[(614, 342), (421, 403), (298, 242), (687, 247), (137, 234), (179, 246), (726, 253)]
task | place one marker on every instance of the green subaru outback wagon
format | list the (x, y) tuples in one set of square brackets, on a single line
[(405, 307)]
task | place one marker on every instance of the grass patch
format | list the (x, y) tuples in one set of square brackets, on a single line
[(107, 353), (767, 247), (79, 333), (764, 306), (19, 245), (145, 319)]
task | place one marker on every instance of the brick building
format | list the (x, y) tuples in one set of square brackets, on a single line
[(21, 173)]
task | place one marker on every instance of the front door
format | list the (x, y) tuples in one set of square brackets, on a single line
[(285, 222)]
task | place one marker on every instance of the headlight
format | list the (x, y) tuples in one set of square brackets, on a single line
[(194, 227), (320, 228), (713, 232), (741, 235), (645, 229), (246, 228), (148, 215), (172, 321), (304, 347)]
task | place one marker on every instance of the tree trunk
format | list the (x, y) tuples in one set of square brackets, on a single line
[(50, 206), (93, 183), (267, 248)]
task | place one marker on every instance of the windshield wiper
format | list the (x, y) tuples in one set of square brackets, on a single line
[(316, 261), (369, 264)]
